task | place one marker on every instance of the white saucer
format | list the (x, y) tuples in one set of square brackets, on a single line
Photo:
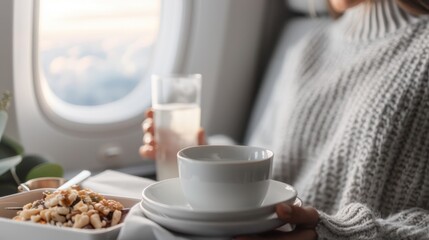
[(218, 228), (167, 199)]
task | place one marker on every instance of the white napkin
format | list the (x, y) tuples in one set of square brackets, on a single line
[(136, 225), (117, 183)]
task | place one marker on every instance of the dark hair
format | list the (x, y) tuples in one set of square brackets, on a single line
[(415, 7)]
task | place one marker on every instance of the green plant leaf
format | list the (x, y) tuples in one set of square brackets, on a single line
[(45, 170), (5, 101), (8, 145)]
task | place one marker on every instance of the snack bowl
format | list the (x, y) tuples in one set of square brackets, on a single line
[(42, 182), (12, 229)]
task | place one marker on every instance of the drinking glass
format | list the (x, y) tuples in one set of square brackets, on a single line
[(177, 116)]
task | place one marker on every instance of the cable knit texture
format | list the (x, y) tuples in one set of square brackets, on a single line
[(350, 125)]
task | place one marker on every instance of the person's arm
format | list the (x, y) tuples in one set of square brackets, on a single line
[(410, 180), (398, 148), (387, 193), (353, 222), (356, 221)]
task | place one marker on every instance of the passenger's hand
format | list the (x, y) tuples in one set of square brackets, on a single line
[(305, 219), (148, 149)]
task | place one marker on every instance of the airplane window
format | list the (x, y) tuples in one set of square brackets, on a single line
[(96, 52), (93, 56)]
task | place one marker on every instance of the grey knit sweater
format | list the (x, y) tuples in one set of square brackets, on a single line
[(349, 124)]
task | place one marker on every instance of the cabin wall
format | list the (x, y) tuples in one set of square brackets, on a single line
[(6, 69)]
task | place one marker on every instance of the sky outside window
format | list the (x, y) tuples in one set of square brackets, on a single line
[(96, 52)]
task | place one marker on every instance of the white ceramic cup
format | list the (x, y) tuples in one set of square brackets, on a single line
[(222, 178)]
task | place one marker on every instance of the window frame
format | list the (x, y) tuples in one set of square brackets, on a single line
[(166, 57)]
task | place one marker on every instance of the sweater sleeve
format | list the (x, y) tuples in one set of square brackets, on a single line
[(356, 221)]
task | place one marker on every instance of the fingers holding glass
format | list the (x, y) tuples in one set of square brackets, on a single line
[(147, 150)]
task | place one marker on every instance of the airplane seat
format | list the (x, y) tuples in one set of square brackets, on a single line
[(268, 105), (260, 128)]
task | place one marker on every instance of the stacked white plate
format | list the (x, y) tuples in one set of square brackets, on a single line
[(163, 202)]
